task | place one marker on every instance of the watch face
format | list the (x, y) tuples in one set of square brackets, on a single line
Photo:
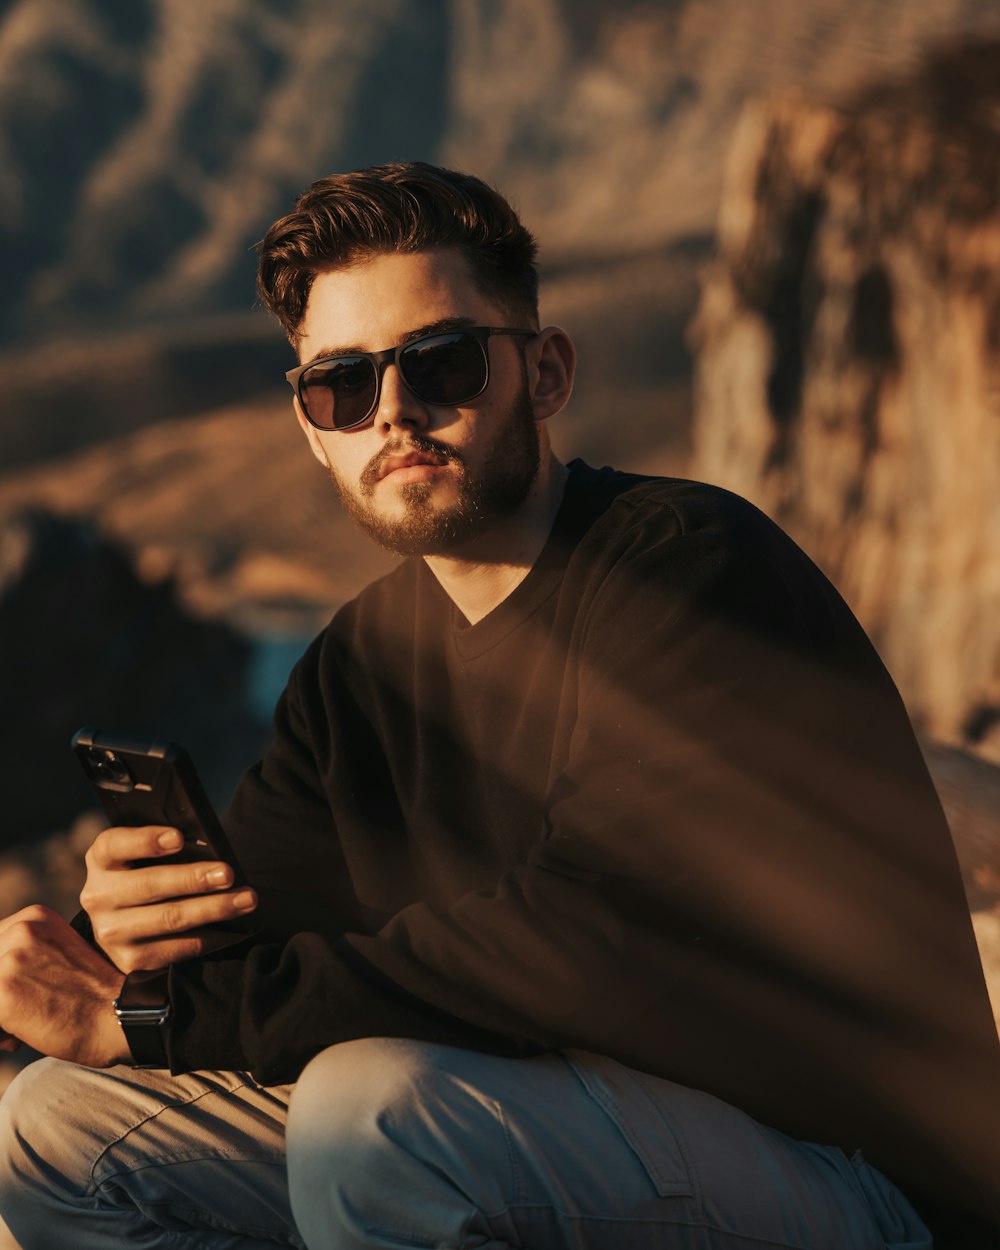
[(144, 991)]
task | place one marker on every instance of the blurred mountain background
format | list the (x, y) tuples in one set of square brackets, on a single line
[(771, 226)]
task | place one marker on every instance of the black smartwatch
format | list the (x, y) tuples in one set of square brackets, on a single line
[(143, 1009)]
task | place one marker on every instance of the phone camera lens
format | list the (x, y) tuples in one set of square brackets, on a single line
[(106, 766)]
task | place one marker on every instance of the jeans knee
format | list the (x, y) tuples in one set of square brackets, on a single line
[(346, 1095), (376, 1117)]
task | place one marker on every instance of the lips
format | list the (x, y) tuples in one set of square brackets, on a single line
[(410, 460)]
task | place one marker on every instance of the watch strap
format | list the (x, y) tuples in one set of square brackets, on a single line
[(143, 1010)]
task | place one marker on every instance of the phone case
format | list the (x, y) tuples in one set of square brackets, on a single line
[(142, 782)]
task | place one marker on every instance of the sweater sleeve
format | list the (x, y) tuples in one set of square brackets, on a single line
[(281, 825), (744, 882)]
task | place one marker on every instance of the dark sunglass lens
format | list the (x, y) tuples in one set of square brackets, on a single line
[(445, 369), (339, 393)]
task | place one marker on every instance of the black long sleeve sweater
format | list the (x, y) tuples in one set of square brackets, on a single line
[(663, 803)]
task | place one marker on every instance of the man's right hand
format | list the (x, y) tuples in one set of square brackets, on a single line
[(149, 917)]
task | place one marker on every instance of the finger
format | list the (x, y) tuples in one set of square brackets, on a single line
[(9, 1043), (118, 847), (135, 887), (133, 925), (161, 953)]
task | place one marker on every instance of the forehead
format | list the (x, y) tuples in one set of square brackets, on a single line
[(376, 303)]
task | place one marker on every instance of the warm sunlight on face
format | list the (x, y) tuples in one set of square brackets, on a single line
[(422, 478)]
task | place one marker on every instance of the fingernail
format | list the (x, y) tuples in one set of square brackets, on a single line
[(218, 876), (170, 839), (244, 901)]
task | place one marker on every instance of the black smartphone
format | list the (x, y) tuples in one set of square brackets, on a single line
[(143, 782)]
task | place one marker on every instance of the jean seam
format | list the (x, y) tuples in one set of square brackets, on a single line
[(745, 1238), (203, 1154), (748, 1239), (145, 1118), (198, 1214), (676, 1130), (859, 1189), (516, 1180)]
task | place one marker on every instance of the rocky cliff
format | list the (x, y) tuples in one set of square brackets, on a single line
[(145, 144), (848, 365)]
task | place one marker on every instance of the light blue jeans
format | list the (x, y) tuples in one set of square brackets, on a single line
[(398, 1144)]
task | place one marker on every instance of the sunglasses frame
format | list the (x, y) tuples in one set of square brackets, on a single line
[(380, 361)]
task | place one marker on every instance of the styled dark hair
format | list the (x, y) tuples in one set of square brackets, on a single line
[(397, 208)]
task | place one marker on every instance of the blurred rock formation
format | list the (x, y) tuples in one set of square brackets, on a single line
[(231, 507), (146, 144), (144, 147), (848, 365), (969, 788), (83, 641)]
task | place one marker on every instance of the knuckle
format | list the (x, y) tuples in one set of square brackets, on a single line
[(99, 850), (110, 935), (20, 957), (173, 919), (37, 913), (135, 888)]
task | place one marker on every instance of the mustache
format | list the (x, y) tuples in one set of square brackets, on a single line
[(396, 447)]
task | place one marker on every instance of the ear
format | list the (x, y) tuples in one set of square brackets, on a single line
[(312, 435), (551, 361)]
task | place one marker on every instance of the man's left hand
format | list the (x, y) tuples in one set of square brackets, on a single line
[(57, 992)]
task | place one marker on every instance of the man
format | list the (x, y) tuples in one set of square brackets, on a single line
[(601, 895)]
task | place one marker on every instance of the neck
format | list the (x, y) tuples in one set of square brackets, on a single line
[(489, 567)]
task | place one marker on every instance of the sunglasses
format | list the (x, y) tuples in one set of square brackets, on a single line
[(341, 392)]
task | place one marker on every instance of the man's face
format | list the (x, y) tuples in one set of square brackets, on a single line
[(422, 479)]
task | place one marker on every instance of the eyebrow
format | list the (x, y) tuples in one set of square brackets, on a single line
[(442, 326)]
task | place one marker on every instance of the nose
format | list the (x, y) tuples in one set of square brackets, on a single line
[(398, 408)]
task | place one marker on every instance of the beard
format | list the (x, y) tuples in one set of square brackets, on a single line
[(509, 467)]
